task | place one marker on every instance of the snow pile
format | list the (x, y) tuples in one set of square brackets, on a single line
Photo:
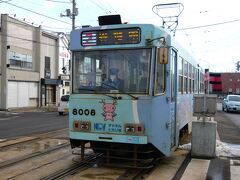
[(222, 149), (227, 150), (185, 146)]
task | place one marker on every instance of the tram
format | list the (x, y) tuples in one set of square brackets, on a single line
[(132, 89)]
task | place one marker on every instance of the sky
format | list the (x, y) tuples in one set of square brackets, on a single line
[(208, 29)]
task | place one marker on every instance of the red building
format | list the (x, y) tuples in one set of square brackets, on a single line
[(231, 83), (224, 83)]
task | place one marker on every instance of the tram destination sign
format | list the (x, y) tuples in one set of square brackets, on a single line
[(111, 37)]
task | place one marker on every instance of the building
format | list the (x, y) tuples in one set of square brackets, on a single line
[(215, 83), (28, 65), (224, 83), (230, 83), (64, 64)]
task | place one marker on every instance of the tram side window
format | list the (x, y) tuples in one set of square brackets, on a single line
[(201, 83), (180, 75), (196, 81), (160, 78), (193, 79), (185, 74), (190, 79)]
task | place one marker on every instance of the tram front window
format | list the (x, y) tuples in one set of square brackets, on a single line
[(111, 71)]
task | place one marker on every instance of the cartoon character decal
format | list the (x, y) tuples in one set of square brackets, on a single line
[(109, 110)]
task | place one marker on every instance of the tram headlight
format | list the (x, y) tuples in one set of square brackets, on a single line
[(134, 129), (82, 125)]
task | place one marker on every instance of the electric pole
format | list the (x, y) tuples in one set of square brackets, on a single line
[(74, 13), (71, 13)]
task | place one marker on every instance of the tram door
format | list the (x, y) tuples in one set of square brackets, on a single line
[(173, 103)]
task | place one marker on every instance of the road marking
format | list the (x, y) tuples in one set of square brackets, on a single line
[(168, 167), (197, 169), (235, 169), (8, 118), (15, 141)]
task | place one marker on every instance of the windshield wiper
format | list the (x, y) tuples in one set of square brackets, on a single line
[(134, 97), (86, 89), (109, 86), (113, 97)]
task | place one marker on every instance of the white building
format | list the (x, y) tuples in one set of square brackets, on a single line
[(64, 64), (28, 65)]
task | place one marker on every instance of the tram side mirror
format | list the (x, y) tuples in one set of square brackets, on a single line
[(163, 55)]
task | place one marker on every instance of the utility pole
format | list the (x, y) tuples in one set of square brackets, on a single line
[(71, 13), (74, 13)]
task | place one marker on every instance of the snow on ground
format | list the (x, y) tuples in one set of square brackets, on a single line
[(222, 149)]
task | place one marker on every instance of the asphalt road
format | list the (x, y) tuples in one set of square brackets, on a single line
[(28, 123), (228, 125), (13, 124)]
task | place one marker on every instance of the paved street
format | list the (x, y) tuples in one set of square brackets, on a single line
[(220, 168), (228, 126), (13, 124)]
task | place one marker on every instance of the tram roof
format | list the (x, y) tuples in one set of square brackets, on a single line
[(149, 32)]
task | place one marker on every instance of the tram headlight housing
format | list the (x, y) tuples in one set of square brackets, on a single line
[(82, 125), (134, 129)]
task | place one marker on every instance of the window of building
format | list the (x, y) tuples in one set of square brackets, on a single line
[(47, 67), (18, 60), (69, 65), (63, 64), (237, 91)]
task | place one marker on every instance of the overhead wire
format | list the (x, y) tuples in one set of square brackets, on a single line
[(208, 25), (1, 1), (29, 40), (37, 13), (99, 6), (27, 24), (58, 1), (111, 7)]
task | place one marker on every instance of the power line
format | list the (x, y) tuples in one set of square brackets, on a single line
[(58, 1), (30, 41), (208, 25), (1, 1), (111, 7), (36, 13), (100, 7), (27, 24)]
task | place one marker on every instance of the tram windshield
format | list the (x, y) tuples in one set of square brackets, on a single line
[(111, 71)]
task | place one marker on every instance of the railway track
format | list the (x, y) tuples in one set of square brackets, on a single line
[(49, 156), (22, 140), (74, 168), (14, 161)]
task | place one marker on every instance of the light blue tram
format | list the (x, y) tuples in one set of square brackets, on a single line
[(132, 89)]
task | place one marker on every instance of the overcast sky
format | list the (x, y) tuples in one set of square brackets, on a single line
[(209, 29)]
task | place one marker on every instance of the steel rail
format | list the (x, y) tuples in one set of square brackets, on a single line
[(32, 155), (75, 168)]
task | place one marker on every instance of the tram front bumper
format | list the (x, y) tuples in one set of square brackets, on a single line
[(118, 138)]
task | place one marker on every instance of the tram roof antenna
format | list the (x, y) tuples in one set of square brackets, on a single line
[(169, 20)]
